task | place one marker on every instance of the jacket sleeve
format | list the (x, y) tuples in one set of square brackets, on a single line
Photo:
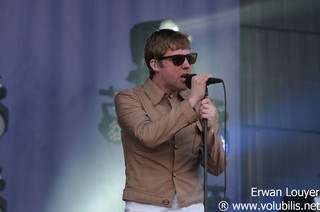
[(217, 160)]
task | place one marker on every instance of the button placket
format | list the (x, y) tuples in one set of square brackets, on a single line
[(175, 146), (174, 174)]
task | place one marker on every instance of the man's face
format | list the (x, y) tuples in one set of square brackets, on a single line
[(171, 77)]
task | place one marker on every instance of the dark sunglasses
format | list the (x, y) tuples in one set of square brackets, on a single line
[(179, 59)]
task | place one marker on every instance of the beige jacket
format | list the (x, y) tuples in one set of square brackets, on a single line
[(162, 143)]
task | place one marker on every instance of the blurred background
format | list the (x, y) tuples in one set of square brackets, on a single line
[(62, 62)]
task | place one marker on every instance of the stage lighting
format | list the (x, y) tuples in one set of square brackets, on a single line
[(3, 203), (3, 110), (108, 126), (139, 33), (3, 119), (169, 24), (3, 128)]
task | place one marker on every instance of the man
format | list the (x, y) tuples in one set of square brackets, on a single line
[(161, 127)]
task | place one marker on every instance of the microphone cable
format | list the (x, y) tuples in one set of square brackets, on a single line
[(225, 152), (225, 141)]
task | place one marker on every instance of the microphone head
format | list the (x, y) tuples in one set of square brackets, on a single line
[(188, 80), (209, 81)]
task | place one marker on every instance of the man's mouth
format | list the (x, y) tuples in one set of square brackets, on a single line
[(183, 76)]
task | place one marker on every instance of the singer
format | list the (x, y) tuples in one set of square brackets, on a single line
[(161, 125)]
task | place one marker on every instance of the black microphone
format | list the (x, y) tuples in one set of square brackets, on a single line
[(209, 81)]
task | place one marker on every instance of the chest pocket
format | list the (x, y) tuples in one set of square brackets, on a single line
[(155, 112), (190, 139)]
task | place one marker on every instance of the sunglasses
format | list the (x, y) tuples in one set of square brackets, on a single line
[(179, 59)]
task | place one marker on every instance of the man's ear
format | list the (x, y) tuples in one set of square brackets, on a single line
[(155, 64)]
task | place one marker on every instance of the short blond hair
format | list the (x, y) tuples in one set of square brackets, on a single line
[(158, 43)]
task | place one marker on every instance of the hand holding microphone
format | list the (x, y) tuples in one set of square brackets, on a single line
[(210, 80), (198, 85)]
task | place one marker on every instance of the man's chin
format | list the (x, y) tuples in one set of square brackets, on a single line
[(183, 88)]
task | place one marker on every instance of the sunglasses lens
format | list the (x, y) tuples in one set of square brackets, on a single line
[(192, 58), (178, 59)]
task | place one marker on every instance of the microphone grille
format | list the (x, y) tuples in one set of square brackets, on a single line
[(188, 80)]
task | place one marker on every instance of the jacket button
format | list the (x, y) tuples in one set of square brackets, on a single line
[(174, 174), (201, 150), (175, 146), (165, 202)]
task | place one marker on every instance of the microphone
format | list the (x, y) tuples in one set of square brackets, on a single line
[(209, 81)]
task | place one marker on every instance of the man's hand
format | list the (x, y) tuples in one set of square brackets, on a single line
[(198, 88)]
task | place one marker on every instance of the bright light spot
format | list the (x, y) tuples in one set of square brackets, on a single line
[(90, 182), (169, 24)]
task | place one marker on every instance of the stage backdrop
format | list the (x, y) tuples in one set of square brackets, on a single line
[(61, 61)]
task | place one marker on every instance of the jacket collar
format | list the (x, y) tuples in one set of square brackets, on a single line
[(155, 93)]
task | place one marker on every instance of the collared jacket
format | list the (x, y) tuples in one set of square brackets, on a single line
[(163, 147)]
